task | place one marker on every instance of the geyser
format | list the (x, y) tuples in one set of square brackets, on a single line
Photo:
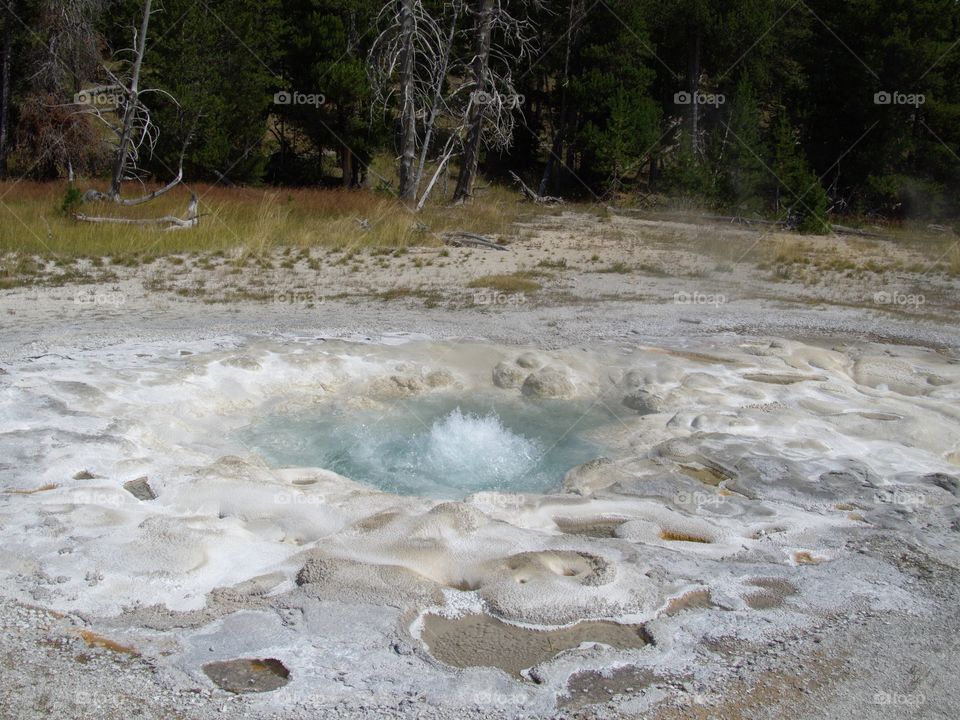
[(437, 446)]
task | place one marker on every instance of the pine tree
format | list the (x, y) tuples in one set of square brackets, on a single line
[(742, 164), (612, 123), (325, 51), (222, 81), (801, 199)]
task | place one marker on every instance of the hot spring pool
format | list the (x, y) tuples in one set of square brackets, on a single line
[(438, 446)]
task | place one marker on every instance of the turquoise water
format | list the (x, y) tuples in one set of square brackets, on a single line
[(438, 446)]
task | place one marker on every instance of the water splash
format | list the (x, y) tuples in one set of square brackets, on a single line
[(474, 452), (436, 447)]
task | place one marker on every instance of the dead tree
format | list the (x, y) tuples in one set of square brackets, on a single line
[(530, 195), (408, 113), (412, 57), (128, 119), (494, 99), (480, 67), (438, 107), (474, 101), (130, 111)]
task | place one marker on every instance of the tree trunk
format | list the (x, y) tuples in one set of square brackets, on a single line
[(351, 164), (693, 87), (654, 175), (408, 117), (6, 57), (130, 111), (346, 166), (447, 153), (481, 63), (435, 108)]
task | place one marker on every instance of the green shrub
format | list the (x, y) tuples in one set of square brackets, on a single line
[(72, 200)]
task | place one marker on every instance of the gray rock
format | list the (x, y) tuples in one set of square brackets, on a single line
[(643, 402), (529, 360), (140, 489), (591, 475), (507, 376), (944, 481), (439, 378), (548, 383)]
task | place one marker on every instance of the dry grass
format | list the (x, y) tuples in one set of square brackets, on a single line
[(792, 252), (513, 283), (911, 251), (244, 221), (953, 261), (617, 268)]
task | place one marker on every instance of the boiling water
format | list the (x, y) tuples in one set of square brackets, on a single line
[(443, 447)]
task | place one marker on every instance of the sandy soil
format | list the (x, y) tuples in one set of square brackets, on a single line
[(738, 379)]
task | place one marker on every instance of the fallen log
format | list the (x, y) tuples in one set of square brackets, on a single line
[(734, 219), (192, 218), (686, 217), (854, 231), (532, 196), (464, 238)]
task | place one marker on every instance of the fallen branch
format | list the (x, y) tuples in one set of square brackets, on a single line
[(96, 195), (686, 217), (458, 239), (855, 231), (733, 219), (532, 196), (156, 193), (172, 222)]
